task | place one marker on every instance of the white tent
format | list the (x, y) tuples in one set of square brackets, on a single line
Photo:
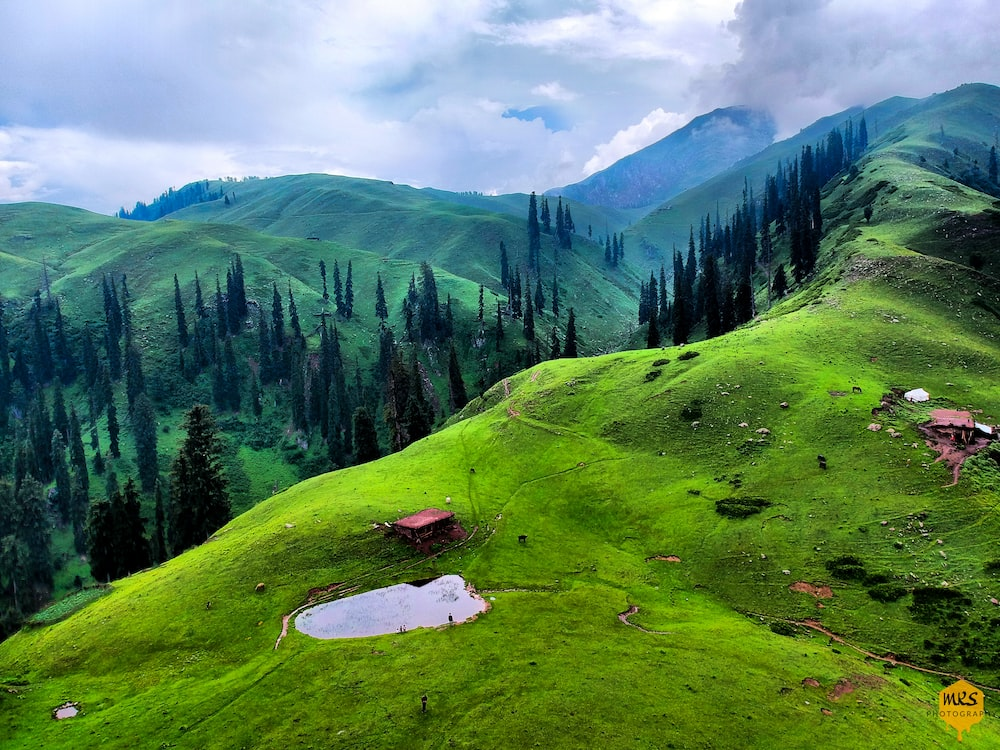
[(917, 394)]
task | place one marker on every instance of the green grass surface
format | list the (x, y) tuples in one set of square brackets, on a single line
[(606, 467), (603, 470)]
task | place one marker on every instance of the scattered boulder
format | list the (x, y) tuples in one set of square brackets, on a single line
[(874, 427)]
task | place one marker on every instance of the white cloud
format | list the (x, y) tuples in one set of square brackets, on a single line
[(107, 103), (654, 126), (555, 91)]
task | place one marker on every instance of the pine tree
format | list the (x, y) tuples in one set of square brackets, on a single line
[(555, 348), (44, 363), (130, 540), (293, 315), (64, 353), (143, 420), (570, 345), (199, 300), (338, 290), (481, 289), (265, 354), (60, 418), (182, 330), (546, 216), (135, 380), (653, 334), (63, 499), (499, 327), (365, 437), (456, 385), (539, 297), (89, 352), (199, 502), (322, 273), (101, 541), (429, 313), (709, 294), (555, 297), (504, 266), (113, 430), (158, 539), (993, 165), (534, 235), (681, 304), (381, 310), (77, 455), (349, 292), (529, 315), (779, 287), (560, 224), (232, 307), (221, 312), (277, 319)]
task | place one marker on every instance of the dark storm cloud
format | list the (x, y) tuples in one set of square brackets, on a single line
[(804, 59)]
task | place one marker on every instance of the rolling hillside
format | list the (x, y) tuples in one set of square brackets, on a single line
[(951, 132), (460, 234), (679, 484)]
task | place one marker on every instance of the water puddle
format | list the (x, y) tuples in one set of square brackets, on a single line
[(393, 609), (66, 711)]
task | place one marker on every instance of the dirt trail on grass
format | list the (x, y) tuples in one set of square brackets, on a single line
[(887, 659), (632, 609)]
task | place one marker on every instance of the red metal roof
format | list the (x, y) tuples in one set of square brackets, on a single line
[(424, 518), (952, 418)]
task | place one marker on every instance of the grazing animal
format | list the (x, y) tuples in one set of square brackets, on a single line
[(855, 389), (822, 461), (259, 587), (522, 538), (208, 605)]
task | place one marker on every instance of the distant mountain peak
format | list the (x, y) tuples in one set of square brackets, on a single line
[(706, 146)]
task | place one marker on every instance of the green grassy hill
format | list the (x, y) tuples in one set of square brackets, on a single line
[(683, 482), (952, 133), (458, 233), (606, 464)]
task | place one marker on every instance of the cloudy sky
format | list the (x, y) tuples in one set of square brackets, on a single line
[(108, 102)]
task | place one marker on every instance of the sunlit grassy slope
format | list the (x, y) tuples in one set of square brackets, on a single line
[(948, 134), (600, 463)]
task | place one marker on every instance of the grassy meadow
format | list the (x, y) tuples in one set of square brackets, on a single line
[(605, 466), (681, 484)]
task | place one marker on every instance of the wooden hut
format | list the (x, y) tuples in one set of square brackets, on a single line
[(424, 525), (958, 425)]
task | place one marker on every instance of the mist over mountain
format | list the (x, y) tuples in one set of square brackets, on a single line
[(708, 145)]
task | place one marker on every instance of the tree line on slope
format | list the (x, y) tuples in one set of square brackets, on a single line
[(717, 283)]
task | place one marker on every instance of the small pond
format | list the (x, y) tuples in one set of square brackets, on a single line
[(392, 609), (66, 711)]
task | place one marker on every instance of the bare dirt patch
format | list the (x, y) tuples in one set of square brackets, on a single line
[(820, 592), (665, 558), (810, 682), (843, 687), (951, 453)]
